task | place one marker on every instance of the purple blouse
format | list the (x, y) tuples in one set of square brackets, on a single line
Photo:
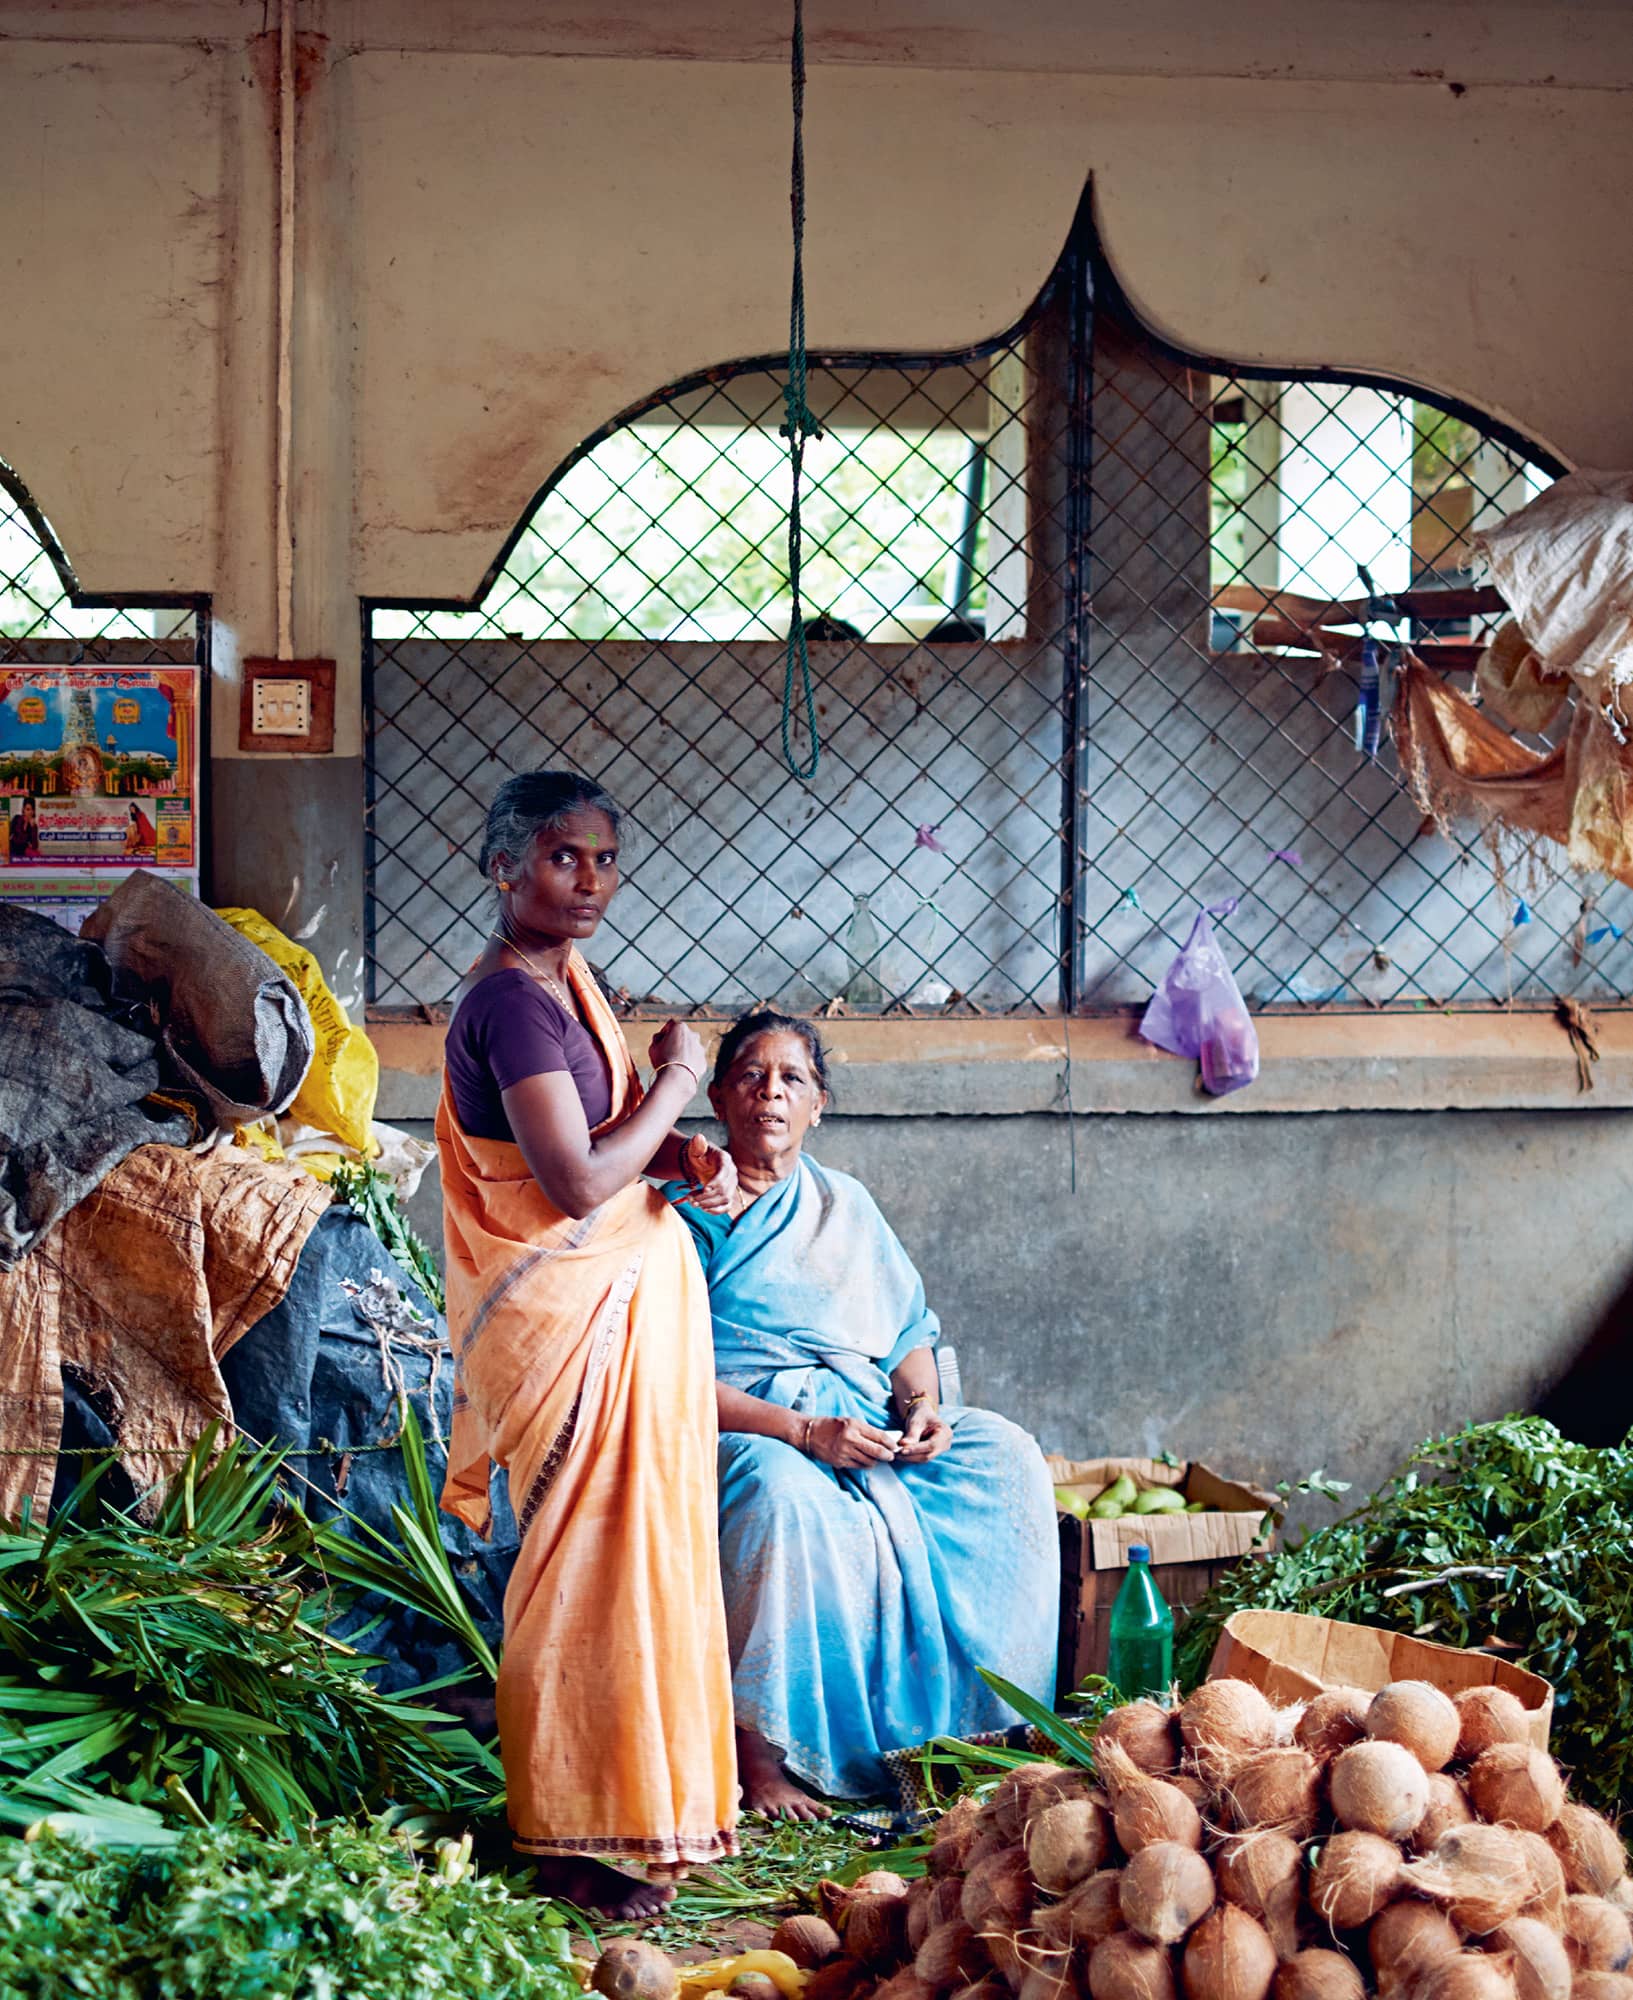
[(508, 1027)]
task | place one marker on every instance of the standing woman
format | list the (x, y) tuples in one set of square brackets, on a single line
[(580, 1320)]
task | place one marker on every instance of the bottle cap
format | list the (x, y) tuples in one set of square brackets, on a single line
[(1139, 1553)]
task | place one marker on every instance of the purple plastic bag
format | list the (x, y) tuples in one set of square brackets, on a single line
[(1198, 1010)]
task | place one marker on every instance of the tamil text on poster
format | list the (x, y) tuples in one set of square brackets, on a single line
[(98, 769)]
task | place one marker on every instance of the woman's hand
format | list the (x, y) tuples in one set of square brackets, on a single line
[(712, 1176), (927, 1436), (679, 1044), (847, 1444)]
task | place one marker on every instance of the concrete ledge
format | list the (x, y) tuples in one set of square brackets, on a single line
[(1327, 1062)]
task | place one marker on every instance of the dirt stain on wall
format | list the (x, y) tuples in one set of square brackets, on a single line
[(534, 410)]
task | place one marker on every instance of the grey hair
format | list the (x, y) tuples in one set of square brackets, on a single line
[(535, 802)]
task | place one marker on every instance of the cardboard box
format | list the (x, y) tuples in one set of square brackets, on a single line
[(1291, 1656), (1189, 1552)]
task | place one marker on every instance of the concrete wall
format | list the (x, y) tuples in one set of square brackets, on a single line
[(513, 220), (1271, 1294)]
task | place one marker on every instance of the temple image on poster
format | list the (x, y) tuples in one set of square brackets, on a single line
[(97, 766)]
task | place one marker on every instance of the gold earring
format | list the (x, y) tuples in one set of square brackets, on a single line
[(507, 885)]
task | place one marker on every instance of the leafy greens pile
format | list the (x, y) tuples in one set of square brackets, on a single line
[(1504, 1534), (178, 1669), (230, 1912)]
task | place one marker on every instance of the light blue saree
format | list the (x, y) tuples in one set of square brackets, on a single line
[(859, 1604)]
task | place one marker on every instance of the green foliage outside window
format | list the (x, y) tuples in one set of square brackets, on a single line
[(678, 532)]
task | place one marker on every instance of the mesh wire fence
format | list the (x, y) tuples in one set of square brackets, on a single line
[(39, 620), (636, 632), (1087, 633), (1226, 751)]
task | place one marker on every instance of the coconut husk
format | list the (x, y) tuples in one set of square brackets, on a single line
[(1319, 1975), (1480, 1875), (1542, 1967), (1355, 1875)]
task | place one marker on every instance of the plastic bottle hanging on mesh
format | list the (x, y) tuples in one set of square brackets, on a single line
[(1197, 1011)]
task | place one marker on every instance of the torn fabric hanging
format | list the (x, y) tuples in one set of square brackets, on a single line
[(1514, 686), (1457, 761), (1562, 564)]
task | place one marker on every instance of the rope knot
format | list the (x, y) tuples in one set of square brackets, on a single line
[(801, 419)]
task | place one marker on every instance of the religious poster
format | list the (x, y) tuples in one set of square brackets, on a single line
[(98, 775), (99, 768)]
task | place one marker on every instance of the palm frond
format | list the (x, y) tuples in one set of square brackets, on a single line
[(1070, 1742)]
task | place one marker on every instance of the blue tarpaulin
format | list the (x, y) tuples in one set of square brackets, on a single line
[(321, 1374)]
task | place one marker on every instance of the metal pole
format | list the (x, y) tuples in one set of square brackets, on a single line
[(1074, 652), (973, 493)]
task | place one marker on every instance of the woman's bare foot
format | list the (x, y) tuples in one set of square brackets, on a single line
[(767, 1787), (592, 1885)]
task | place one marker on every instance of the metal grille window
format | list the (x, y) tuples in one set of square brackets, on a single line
[(1087, 649), (44, 617), (1224, 676), (635, 631)]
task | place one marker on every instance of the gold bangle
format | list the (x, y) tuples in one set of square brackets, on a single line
[(918, 1396), (675, 1063), (805, 1440)]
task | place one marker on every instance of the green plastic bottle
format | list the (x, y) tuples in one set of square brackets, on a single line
[(1142, 1632)]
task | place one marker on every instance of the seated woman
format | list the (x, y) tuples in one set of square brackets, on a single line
[(866, 1579)]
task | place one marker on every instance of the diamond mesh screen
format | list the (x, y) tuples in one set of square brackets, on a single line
[(40, 622), (1226, 627), (636, 632), (1087, 644)]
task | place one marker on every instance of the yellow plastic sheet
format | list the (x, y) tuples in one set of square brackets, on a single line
[(261, 1138), (344, 1080)]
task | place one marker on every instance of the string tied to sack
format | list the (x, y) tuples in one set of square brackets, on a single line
[(798, 427)]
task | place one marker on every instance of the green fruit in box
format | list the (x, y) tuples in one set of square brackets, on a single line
[(1070, 1501), (1160, 1500), (1123, 1490), (1107, 1508), (1195, 1507)]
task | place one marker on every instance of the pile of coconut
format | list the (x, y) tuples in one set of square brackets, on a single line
[(1404, 1843)]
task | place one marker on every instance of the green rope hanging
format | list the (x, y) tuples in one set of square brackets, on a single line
[(799, 426)]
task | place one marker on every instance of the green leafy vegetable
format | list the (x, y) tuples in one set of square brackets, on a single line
[(775, 1874), (374, 1196), (1067, 1738), (178, 1668), (228, 1912), (413, 1571), (1503, 1535)]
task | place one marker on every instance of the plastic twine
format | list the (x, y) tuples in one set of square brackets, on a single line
[(798, 426)]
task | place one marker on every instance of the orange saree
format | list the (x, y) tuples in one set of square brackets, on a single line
[(586, 1370)]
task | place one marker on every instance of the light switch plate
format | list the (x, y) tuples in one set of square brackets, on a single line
[(281, 707), (288, 706)]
